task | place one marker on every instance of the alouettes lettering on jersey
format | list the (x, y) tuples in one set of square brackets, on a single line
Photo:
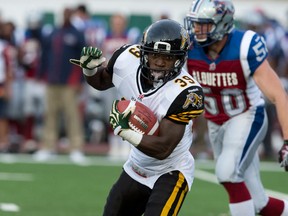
[(179, 100), (227, 81)]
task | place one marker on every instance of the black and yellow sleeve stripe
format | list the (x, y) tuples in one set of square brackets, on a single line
[(185, 117)]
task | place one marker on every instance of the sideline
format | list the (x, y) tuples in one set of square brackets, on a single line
[(95, 160), (61, 160), (4, 176)]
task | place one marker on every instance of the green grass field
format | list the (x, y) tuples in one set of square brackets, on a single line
[(60, 188)]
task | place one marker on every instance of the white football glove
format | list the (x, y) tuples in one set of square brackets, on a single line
[(91, 58)]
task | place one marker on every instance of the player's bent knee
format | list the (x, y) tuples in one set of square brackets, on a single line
[(225, 176)]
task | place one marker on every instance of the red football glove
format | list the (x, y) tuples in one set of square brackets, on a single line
[(283, 155)]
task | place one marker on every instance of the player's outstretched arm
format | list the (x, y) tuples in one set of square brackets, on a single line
[(271, 86), (91, 61)]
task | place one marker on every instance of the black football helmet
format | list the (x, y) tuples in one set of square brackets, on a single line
[(166, 37)]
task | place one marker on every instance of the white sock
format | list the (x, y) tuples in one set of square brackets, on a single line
[(243, 208), (285, 210)]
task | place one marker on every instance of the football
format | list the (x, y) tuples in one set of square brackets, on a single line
[(142, 120)]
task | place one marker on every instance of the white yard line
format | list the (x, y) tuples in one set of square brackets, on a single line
[(264, 166), (209, 177), (106, 161), (9, 207), (61, 160), (15, 177)]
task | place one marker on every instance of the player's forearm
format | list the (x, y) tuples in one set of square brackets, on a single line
[(155, 146), (162, 145), (281, 108), (100, 80)]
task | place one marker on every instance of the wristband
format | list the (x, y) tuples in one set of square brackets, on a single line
[(131, 136), (88, 72), (285, 142)]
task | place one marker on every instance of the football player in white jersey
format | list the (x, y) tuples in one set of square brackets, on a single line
[(232, 68), (159, 171)]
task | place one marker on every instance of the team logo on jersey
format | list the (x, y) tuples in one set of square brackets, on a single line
[(194, 99), (185, 37), (140, 97), (212, 66)]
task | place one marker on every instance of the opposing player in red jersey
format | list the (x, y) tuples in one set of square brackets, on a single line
[(232, 67)]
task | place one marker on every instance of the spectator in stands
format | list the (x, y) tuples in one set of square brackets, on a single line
[(8, 58), (34, 91), (15, 111), (95, 31), (64, 83), (119, 33)]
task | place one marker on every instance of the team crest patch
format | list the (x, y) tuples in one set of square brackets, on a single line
[(185, 37), (212, 66), (140, 97), (194, 99)]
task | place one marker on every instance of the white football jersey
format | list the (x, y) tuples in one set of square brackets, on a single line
[(179, 100)]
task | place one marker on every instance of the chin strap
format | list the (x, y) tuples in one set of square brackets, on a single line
[(157, 84)]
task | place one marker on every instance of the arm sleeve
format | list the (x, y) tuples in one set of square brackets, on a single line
[(257, 52), (187, 105), (114, 57)]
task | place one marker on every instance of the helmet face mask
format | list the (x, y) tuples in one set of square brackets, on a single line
[(217, 13), (162, 67), (165, 40), (202, 31)]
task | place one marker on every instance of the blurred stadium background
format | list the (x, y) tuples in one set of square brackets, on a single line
[(60, 188), (140, 14), (18, 10)]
